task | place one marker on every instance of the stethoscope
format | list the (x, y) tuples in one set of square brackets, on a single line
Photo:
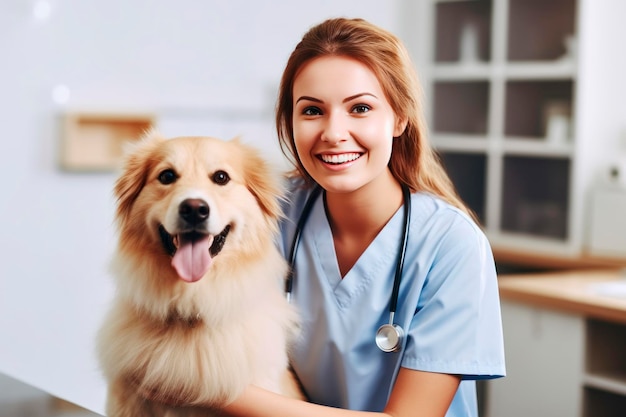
[(389, 336)]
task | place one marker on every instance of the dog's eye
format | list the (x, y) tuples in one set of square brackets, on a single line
[(221, 177), (167, 176)]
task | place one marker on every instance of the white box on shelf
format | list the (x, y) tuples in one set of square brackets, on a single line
[(607, 225)]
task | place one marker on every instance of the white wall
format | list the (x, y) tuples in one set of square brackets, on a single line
[(183, 60)]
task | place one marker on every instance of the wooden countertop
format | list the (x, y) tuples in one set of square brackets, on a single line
[(554, 263), (593, 293)]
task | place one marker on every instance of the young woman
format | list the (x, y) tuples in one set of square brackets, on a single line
[(395, 282), (349, 116)]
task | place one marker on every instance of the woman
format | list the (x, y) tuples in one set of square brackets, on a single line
[(350, 118)]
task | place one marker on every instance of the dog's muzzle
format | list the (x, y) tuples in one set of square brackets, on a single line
[(167, 240), (192, 249)]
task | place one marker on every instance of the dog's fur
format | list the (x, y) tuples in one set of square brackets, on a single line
[(177, 331)]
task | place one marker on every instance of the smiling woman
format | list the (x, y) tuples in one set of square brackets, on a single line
[(343, 125)]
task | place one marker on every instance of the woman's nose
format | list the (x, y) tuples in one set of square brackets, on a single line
[(335, 129)]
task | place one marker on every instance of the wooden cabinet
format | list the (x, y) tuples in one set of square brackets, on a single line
[(523, 99)]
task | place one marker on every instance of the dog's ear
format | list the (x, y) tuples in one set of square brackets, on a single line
[(137, 162), (263, 181)]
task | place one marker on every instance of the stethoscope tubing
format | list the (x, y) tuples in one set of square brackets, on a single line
[(304, 216), (388, 336)]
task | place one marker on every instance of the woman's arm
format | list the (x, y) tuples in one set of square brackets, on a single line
[(424, 394), (416, 393)]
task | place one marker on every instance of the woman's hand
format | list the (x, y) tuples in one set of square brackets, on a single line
[(415, 393), (426, 394)]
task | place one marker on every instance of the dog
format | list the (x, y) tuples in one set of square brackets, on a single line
[(199, 310)]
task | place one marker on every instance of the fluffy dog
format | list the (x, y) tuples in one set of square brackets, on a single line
[(199, 311)]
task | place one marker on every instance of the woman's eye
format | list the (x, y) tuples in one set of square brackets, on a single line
[(361, 108), (167, 176), (221, 177), (311, 111)]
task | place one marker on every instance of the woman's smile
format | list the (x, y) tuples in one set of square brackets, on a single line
[(343, 125), (339, 159)]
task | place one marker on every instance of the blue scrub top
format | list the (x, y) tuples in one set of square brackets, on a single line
[(448, 306)]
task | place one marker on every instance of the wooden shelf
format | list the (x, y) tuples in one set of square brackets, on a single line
[(572, 292), (94, 141)]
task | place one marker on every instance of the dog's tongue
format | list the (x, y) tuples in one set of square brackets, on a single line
[(192, 258)]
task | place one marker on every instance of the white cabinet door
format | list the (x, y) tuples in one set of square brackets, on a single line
[(545, 359)]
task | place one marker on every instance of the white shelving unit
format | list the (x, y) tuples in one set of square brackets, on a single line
[(523, 108), (559, 364)]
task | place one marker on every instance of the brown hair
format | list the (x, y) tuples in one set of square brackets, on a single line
[(413, 161)]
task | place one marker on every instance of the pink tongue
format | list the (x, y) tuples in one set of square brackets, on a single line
[(192, 258)]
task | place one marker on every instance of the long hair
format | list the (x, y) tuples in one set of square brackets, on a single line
[(413, 160)]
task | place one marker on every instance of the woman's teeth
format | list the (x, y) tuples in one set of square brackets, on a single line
[(340, 159)]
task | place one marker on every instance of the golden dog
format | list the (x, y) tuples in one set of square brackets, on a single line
[(199, 311)]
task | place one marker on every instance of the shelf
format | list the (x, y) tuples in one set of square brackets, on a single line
[(523, 70), (539, 109), (540, 147), (468, 101), (460, 142), (600, 403), (94, 141), (535, 196), (605, 355), (605, 363), (541, 70), (614, 383), (541, 30), (463, 31), (523, 99), (463, 72), (468, 172)]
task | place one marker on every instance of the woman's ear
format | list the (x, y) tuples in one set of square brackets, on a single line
[(400, 126)]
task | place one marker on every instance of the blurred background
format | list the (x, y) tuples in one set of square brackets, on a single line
[(525, 101)]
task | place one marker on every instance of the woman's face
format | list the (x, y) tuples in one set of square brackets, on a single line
[(343, 124)]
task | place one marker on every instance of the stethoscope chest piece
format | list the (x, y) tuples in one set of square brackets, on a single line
[(388, 337)]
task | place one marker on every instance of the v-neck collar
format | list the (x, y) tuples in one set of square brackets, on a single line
[(376, 262)]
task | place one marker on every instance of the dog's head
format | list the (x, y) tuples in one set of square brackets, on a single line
[(195, 200)]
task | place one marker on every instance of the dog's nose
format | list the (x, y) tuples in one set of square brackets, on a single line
[(194, 210)]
